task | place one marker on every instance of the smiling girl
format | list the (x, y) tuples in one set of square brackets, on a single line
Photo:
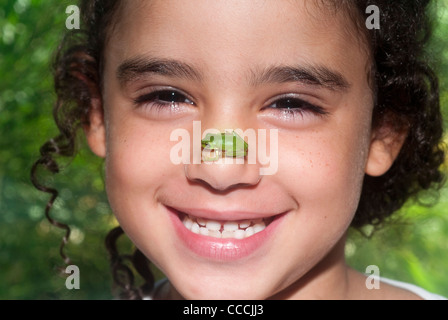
[(359, 132)]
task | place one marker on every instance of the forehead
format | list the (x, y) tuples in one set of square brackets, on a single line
[(238, 34)]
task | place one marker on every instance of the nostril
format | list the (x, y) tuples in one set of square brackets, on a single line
[(221, 188), (222, 177), (213, 186)]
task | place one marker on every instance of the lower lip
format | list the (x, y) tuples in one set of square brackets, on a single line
[(222, 249)]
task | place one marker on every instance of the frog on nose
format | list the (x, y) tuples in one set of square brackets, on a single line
[(228, 144)]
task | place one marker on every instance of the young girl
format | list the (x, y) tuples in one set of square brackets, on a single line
[(353, 112)]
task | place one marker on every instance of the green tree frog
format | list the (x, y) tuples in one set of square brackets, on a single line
[(213, 147)]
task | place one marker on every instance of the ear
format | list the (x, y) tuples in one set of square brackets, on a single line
[(95, 129), (385, 145), (84, 71)]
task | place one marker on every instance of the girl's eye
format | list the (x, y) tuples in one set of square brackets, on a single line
[(163, 99), (291, 106), (170, 97)]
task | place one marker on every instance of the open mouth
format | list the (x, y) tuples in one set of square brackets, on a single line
[(239, 229), (229, 237)]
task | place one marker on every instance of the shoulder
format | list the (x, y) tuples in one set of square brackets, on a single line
[(373, 287), (416, 290)]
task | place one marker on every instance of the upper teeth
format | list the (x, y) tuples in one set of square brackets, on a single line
[(230, 229)]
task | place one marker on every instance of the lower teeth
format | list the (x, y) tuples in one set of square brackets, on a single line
[(232, 230)]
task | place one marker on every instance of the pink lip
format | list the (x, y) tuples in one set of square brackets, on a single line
[(222, 249)]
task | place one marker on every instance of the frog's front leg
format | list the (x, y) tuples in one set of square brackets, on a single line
[(211, 147), (211, 154)]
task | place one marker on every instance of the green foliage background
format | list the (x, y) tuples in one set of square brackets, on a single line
[(413, 248)]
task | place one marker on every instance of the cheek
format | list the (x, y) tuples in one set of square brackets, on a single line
[(137, 163), (137, 159), (324, 172), (132, 159)]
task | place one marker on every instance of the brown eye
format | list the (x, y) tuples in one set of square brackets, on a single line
[(296, 105), (164, 97)]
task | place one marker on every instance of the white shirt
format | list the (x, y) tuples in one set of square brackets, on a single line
[(422, 293)]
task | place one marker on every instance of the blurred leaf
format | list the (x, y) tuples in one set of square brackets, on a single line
[(412, 249)]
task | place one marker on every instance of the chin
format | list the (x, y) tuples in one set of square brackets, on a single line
[(218, 287), (217, 292)]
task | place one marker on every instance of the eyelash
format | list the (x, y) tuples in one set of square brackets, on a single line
[(299, 106), (154, 100), (296, 106)]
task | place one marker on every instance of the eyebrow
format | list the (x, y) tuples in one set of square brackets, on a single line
[(313, 75), (136, 68)]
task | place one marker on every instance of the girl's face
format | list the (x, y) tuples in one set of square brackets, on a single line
[(294, 66)]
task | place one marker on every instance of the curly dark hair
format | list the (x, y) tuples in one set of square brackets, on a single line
[(406, 100)]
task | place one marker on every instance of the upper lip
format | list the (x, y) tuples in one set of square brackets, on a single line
[(225, 215)]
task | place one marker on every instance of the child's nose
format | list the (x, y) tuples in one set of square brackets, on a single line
[(227, 163), (223, 171)]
